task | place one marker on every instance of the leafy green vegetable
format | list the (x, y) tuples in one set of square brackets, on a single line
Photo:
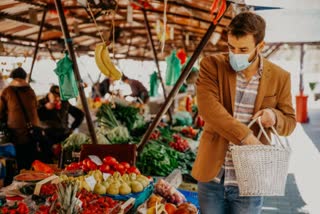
[(74, 142), (118, 135), (106, 117), (158, 159), (129, 116)]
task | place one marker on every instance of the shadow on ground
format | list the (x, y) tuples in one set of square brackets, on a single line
[(312, 128), (291, 203)]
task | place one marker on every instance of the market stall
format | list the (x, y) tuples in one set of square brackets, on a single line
[(127, 163)]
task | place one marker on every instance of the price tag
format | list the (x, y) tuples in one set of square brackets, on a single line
[(106, 176), (78, 202), (95, 159), (91, 182)]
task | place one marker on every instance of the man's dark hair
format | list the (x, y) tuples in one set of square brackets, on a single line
[(18, 73), (248, 23), (124, 77), (55, 90)]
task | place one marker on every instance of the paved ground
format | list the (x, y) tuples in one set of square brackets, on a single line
[(303, 184), (313, 127)]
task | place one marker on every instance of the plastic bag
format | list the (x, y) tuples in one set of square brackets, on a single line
[(173, 69), (182, 118), (154, 84), (67, 82)]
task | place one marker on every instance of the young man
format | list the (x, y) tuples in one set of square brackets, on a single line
[(232, 89)]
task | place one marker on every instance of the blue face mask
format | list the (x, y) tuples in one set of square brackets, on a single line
[(240, 62)]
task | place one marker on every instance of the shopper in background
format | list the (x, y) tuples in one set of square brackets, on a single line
[(101, 89), (11, 113), (3, 82), (54, 116), (137, 88), (232, 89)]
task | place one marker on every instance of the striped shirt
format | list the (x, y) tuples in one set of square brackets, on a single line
[(246, 93)]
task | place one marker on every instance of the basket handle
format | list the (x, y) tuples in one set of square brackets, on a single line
[(263, 131)]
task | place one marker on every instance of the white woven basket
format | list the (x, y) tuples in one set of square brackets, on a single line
[(261, 170)]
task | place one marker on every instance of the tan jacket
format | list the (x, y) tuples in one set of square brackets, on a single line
[(216, 87)]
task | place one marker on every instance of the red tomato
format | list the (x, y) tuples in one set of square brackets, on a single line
[(91, 165), (74, 165), (170, 208), (84, 162), (69, 168), (119, 167), (125, 164), (133, 170), (12, 212), (85, 168), (104, 168), (110, 160)]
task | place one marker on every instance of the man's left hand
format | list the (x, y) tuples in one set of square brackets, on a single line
[(268, 117)]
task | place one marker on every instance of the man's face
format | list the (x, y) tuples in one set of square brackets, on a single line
[(53, 98), (244, 45)]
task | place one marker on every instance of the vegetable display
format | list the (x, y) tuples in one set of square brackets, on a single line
[(109, 165), (74, 142), (106, 117), (157, 159), (95, 203), (179, 143), (17, 208)]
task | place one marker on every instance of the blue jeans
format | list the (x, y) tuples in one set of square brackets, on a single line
[(216, 198)]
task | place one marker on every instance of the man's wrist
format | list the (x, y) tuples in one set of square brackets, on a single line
[(242, 142), (274, 115)]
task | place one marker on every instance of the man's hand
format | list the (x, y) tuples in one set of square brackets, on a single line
[(50, 106), (268, 117), (251, 140)]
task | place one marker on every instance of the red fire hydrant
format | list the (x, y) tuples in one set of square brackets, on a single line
[(301, 108)]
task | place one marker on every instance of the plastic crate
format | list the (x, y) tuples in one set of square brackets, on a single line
[(191, 197), (140, 197)]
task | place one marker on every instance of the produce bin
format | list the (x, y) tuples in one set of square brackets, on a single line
[(122, 152), (191, 197)]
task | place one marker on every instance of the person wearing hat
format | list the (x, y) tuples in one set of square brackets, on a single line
[(12, 114), (54, 116)]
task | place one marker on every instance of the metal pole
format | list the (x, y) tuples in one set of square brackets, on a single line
[(273, 51), (177, 86), (68, 41), (38, 42), (301, 85), (146, 22), (50, 52)]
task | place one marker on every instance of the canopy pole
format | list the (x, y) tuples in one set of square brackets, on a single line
[(146, 22), (37, 43), (177, 86), (277, 47), (68, 42), (302, 53)]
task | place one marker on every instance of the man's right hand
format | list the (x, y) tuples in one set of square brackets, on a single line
[(50, 106), (251, 140)]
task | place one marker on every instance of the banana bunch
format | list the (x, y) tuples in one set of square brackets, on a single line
[(104, 62)]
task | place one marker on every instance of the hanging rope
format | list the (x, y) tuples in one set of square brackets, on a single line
[(163, 39), (95, 22), (112, 100)]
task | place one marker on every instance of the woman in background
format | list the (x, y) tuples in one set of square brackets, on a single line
[(12, 114)]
